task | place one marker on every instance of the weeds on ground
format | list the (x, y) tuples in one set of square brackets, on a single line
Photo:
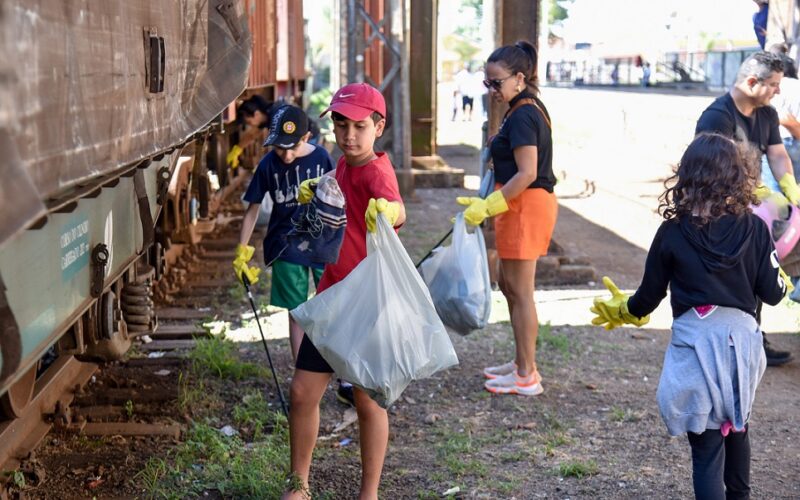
[(254, 416), (456, 451), (624, 415), (577, 468), (129, 409), (191, 396), (559, 343), (218, 356), (237, 293), (209, 460)]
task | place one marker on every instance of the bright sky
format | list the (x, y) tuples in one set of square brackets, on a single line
[(641, 26)]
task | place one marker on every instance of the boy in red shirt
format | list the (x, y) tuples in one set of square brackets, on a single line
[(368, 182)]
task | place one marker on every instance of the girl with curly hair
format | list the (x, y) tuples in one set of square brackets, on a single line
[(718, 260)]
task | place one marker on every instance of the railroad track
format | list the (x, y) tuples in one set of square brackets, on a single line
[(137, 398)]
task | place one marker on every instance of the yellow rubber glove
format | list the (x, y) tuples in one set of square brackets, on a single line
[(613, 312), (390, 209), (306, 192), (762, 192), (479, 209), (789, 187), (233, 156), (789, 286), (243, 255)]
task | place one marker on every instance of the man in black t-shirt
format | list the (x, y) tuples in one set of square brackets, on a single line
[(744, 114)]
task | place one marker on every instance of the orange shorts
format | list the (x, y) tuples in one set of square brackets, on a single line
[(524, 231)]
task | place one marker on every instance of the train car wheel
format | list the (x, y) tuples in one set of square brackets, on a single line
[(114, 341), (14, 401)]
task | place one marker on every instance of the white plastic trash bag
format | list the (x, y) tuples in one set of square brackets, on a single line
[(378, 328), (458, 279)]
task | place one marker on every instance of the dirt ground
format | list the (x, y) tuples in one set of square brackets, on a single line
[(594, 433)]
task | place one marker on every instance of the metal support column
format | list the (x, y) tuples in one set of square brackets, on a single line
[(515, 21), (390, 30), (422, 82)]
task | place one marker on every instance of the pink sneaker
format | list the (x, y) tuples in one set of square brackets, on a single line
[(512, 383)]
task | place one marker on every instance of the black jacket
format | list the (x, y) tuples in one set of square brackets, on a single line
[(729, 262)]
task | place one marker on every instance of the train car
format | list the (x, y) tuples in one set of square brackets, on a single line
[(112, 113)]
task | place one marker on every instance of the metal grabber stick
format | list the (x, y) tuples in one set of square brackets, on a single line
[(246, 283), (434, 248)]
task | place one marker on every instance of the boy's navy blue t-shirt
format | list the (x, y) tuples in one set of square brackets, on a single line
[(282, 182)]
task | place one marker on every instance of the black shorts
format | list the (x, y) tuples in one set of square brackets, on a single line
[(466, 101), (309, 358)]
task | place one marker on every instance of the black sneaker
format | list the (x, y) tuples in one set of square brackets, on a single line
[(344, 394), (774, 356)]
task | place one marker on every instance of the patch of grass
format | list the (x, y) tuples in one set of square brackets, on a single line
[(552, 423), (507, 486), (237, 293), (623, 415), (209, 460), (255, 415), (154, 470), (194, 395), (577, 468), (217, 355), (554, 439), (515, 456), (129, 408), (455, 450), (559, 343), (18, 478)]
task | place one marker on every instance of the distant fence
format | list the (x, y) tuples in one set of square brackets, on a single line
[(711, 69)]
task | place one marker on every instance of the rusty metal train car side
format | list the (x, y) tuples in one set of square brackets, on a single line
[(112, 112)]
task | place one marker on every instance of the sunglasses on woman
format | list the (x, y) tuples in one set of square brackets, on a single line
[(495, 84)]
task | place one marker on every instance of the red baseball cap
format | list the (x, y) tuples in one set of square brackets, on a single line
[(357, 101)]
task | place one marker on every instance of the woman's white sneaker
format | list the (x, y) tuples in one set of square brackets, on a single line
[(512, 383)]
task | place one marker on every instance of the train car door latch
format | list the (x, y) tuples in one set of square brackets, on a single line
[(155, 60), (100, 255)]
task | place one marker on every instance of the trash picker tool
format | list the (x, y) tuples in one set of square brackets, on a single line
[(434, 248), (246, 283)]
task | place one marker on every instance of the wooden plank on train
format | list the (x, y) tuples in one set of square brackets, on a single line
[(120, 396), (182, 313), (189, 290), (167, 345), (220, 244), (210, 283), (166, 360), (131, 429), (220, 254), (101, 411), (181, 329)]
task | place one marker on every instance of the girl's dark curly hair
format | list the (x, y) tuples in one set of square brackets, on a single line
[(716, 176)]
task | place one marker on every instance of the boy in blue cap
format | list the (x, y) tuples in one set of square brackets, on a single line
[(279, 174)]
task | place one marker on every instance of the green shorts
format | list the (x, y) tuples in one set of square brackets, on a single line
[(290, 283)]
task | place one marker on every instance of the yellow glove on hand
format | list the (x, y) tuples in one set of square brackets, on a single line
[(243, 255), (789, 187), (762, 192), (479, 209), (233, 156), (613, 312), (390, 209), (782, 275), (306, 192)]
